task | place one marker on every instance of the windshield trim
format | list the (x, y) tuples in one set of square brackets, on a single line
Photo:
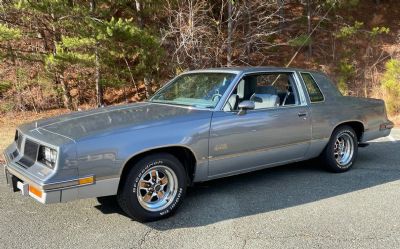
[(182, 106), (235, 73)]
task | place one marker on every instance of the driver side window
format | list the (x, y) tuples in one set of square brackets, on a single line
[(266, 90)]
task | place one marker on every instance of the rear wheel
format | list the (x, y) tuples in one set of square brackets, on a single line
[(154, 188), (341, 151)]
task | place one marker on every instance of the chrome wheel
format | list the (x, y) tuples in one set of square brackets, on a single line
[(157, 188), (343, 149)]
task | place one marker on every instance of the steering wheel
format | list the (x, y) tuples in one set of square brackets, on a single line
[(216, 95)]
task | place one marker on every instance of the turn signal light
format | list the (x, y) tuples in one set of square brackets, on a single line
[(35, 191), (86, 180)]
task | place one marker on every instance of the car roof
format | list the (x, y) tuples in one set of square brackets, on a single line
[(237, 70)]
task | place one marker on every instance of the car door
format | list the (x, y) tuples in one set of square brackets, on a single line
[(259, 138)]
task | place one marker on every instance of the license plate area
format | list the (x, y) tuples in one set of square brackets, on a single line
[(12, 181)]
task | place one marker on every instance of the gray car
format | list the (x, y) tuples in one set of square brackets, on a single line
[(202, 125)]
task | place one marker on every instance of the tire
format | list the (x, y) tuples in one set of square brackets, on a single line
[(342, 149), (153, 188)]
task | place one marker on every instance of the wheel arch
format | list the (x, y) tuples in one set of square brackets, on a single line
[(357, 126), (184, 154)]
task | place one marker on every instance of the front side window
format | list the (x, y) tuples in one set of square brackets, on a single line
[(313, 90), (266, 90), (202, 90)]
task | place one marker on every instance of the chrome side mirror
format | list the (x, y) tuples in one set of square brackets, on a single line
[(245, 105)]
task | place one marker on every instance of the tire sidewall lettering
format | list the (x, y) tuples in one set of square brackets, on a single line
[(173, 205)]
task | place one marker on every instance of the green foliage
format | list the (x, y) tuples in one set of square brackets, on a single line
[(349, 3), (121, 40), (5, 86), (302, 40), (346, 73), (348, 31), (77, 42), (6, 106), (379, 30), (7, 34), (391, 86)]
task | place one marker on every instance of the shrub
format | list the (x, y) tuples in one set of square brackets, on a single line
[(391, 86), (346, 73)]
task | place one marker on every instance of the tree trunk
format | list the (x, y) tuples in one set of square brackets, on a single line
[(248, 32), (147, 84), (309, 28), (66, 94), (99, 89), (59, 74), (281, 4), (138, 7), (229, 40)]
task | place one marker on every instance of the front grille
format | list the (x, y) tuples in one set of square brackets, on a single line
[(30, 153)]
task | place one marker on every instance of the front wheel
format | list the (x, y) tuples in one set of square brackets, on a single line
[(154, 188), (341, 151)]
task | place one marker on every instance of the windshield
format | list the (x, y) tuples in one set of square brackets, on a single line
[(195, 89)]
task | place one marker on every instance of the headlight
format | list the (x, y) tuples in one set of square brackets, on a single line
[(47, 156)]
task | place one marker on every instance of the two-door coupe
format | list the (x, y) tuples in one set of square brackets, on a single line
[(202, 125)]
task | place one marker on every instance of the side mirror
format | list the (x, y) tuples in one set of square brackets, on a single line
[(245, 105)]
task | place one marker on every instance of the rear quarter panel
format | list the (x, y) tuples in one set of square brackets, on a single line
[(337, 109)]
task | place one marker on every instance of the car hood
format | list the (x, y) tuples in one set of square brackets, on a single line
[(77, 125)]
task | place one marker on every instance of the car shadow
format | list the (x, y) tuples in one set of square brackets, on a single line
[(277, 188)]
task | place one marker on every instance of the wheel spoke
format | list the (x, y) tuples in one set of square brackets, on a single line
[(160, 194), (153, 175), (164, 181), (147, 197), (144, 185)]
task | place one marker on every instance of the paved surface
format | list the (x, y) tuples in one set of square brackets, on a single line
[(295, 206)]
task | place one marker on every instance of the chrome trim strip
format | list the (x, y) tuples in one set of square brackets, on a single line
[(51, 186), (237, 79), (67, 184)]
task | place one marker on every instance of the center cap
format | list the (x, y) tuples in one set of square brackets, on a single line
[(157, 188)]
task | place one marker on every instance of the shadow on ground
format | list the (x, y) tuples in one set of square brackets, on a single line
[(277, 188)]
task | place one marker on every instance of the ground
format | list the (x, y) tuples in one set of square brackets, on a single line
[(293, 206)]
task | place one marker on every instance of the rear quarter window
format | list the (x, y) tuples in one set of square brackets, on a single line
[(312, 88)]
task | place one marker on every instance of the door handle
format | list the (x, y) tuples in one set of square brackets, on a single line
[(302, 114)]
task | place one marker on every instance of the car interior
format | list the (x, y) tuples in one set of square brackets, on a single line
[(265, 90)]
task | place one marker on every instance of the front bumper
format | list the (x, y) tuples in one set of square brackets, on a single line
[(56, 192), (46, 192), (18, 182)]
